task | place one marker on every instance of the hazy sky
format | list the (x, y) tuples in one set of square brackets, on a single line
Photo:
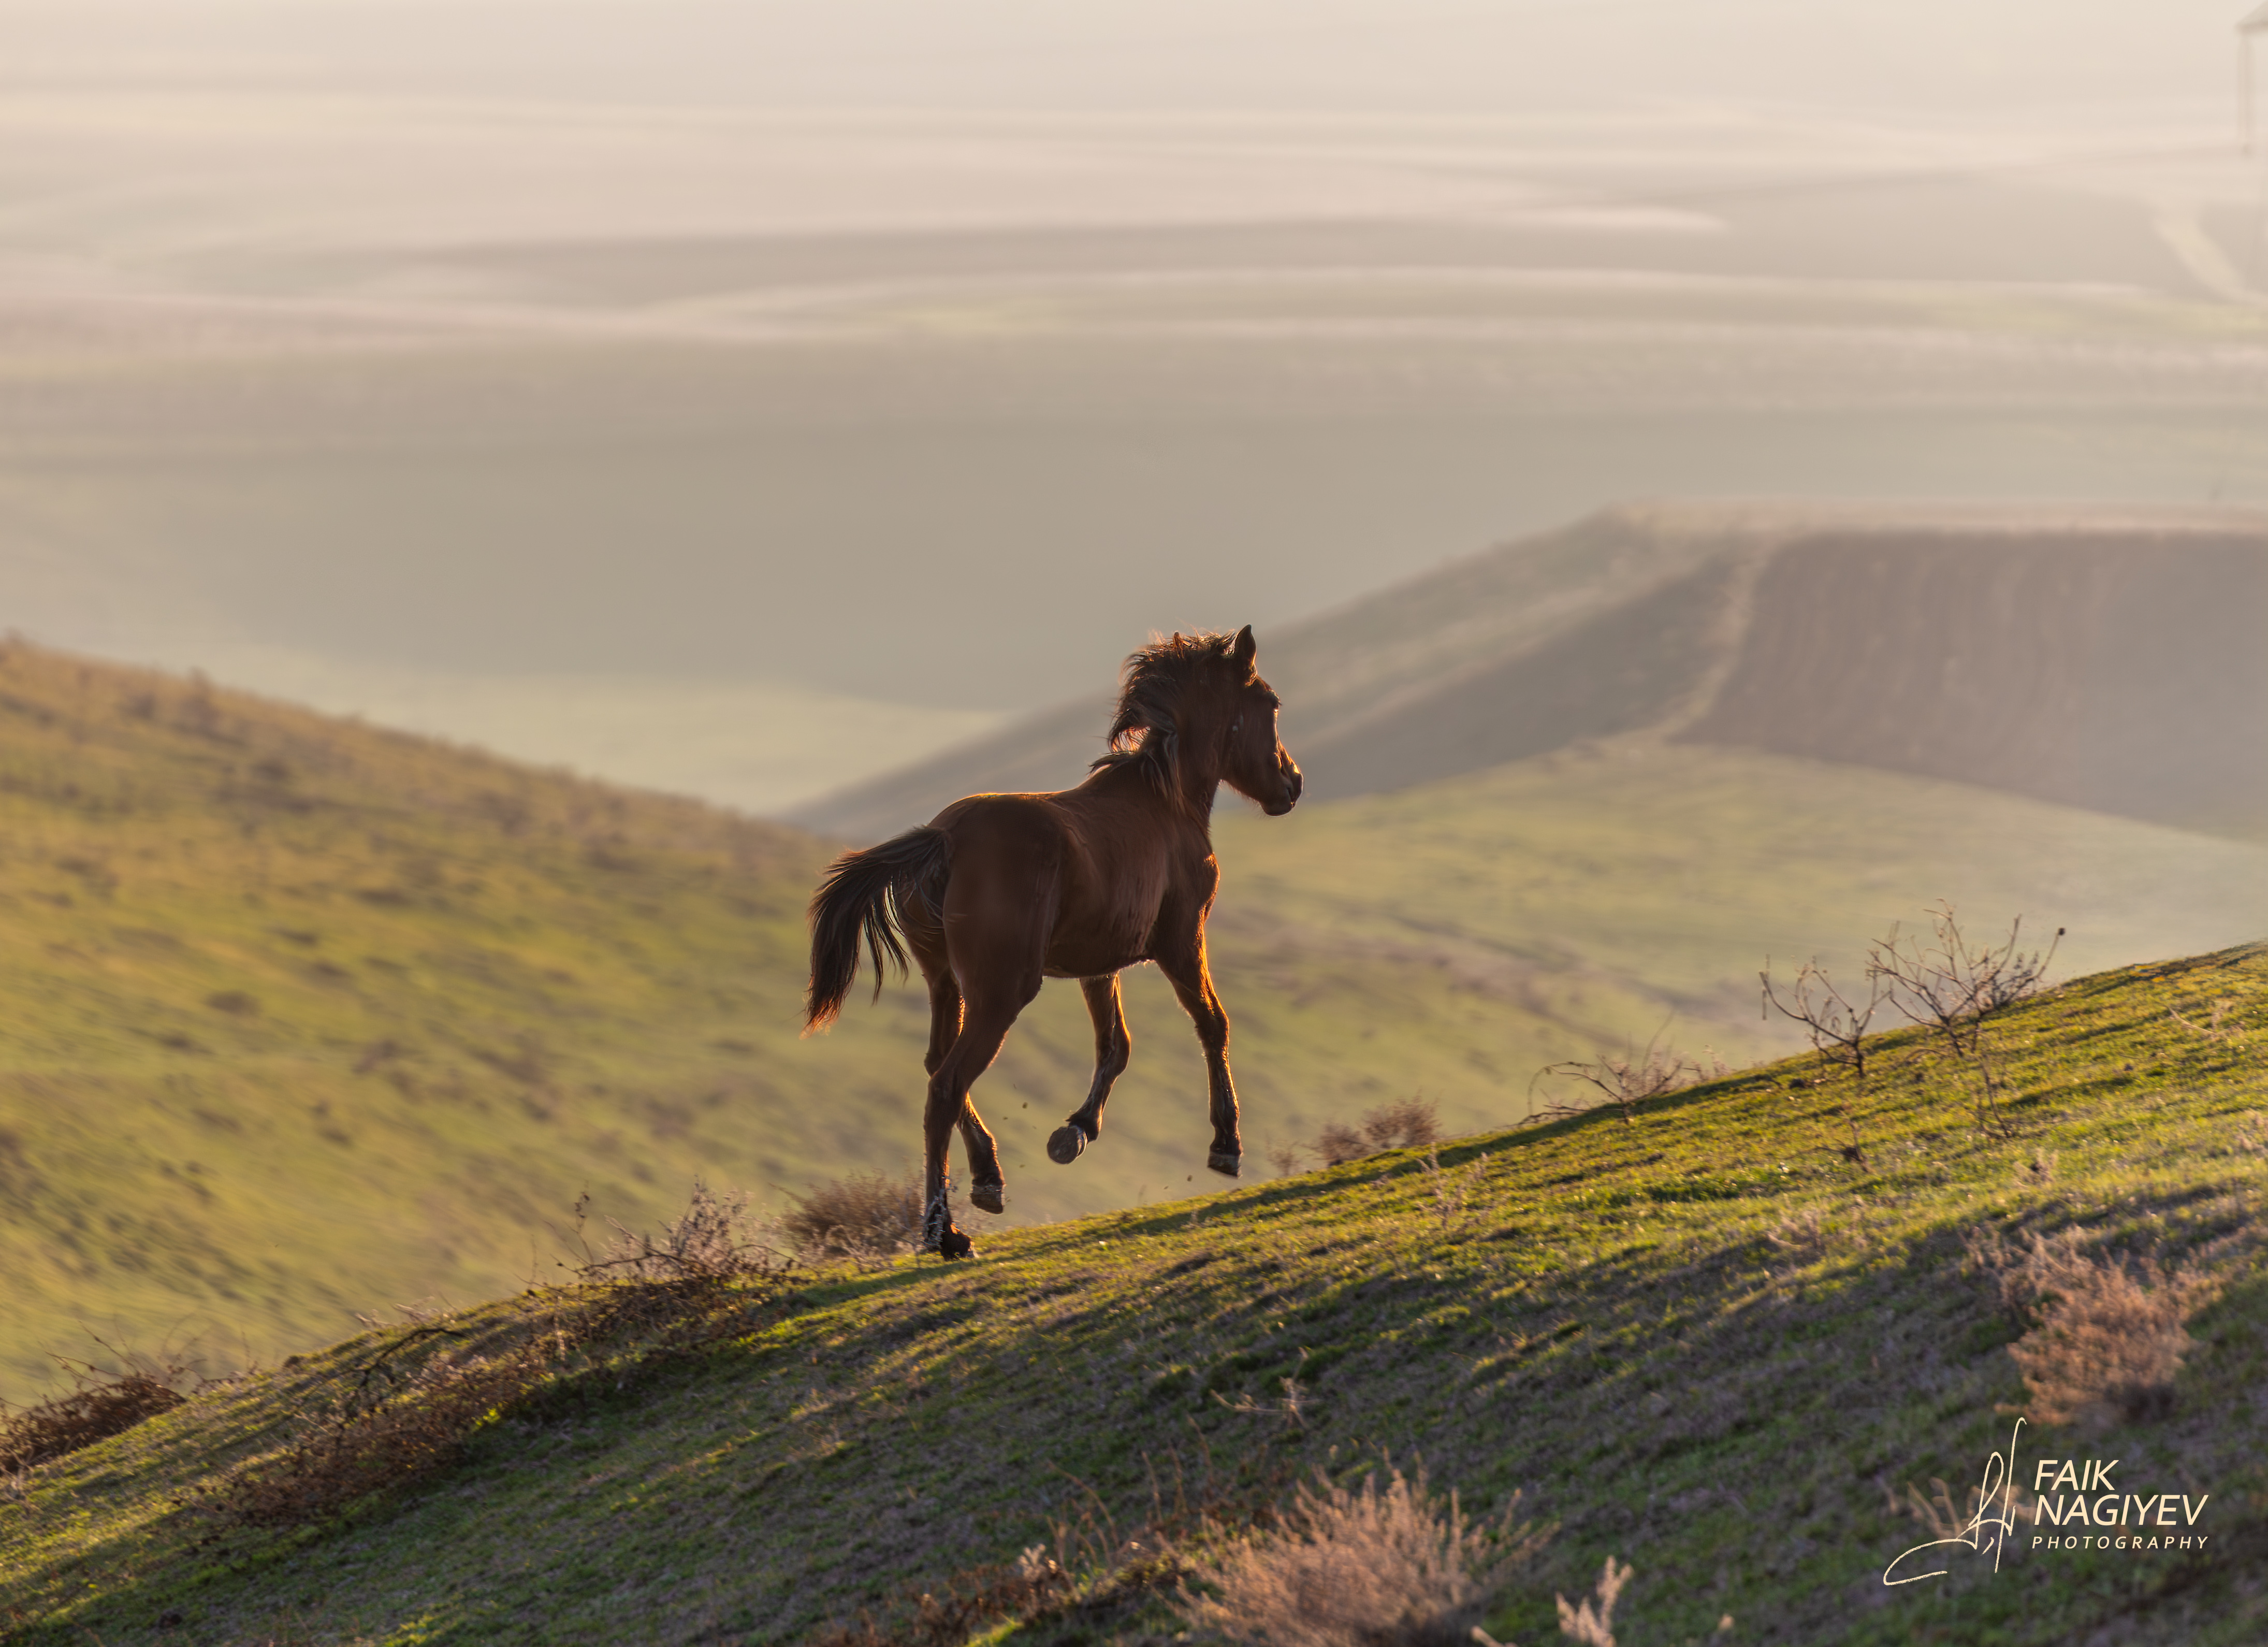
[(2019, 62), (812, 382)]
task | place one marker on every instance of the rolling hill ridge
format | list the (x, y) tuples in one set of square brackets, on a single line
[(2099, 658)]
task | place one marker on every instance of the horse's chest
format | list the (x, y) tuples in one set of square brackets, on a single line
[(1109, 925)]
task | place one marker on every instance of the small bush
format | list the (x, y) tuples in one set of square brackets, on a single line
[(711, 1240), (2107, 1333), (102, 1405), (1398, 1568), (865, 1215), (1338, 1143), (1631, 1081), (1405, 1124)]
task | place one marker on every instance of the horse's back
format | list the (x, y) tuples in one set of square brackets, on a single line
[(1068, 877)]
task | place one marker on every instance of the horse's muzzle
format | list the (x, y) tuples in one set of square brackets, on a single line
[(1288, 770)]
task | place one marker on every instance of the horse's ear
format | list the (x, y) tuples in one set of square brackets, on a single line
[(1245, 650)]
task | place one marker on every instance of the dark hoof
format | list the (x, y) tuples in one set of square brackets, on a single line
[(993, 1198), (1064, 1145), (955, 1245), (1225, 1163)]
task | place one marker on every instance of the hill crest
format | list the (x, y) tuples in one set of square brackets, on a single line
[(2107, 644)]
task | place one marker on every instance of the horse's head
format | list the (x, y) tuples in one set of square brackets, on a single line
[(1194, 714), (1257, 764)]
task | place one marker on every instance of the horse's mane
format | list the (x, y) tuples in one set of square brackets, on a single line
[(1158, 679)]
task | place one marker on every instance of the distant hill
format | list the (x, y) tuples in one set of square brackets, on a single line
[(2101, 659)]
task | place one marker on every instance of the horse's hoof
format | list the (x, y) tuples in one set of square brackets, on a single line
[(993, 1198), (1064, 1147), (955, 1245), (1224, 1163)]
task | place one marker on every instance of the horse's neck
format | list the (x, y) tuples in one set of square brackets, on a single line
[(1199, 782)]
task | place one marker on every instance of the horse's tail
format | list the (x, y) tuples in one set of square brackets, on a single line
[(865, 894)]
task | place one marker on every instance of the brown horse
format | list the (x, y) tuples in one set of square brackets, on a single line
[(998, 892)]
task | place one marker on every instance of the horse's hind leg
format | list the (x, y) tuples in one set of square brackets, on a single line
[(986, 1187), (944, 1011), (1113, 1046), (983, 1027)]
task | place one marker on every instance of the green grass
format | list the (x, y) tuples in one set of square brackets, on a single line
[(300, 1018), (1625, 1321)]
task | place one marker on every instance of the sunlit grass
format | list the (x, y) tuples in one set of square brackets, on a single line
[(1701, 1340)]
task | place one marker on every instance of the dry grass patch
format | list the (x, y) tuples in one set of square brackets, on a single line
[(868, 1215), (2107, 1334), (103, 1405), (1393, 1568), (1410, 1123)]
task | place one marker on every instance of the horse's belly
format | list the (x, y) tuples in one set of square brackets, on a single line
[(1090, 958)]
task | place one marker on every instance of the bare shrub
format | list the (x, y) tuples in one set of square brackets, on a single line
[(406, 1411), (1594, 1623), (101, 1405), (1338, 1143), (386, 1429), (2106, 1336), (867, 1215), (1398, 1568), (1952, 984), (1631, 1081), (1410, 1123), (1955, 987), (712, 1238), (1834, 1024)]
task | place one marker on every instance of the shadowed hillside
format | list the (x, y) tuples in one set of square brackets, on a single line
[(2104, 661), (1717, 1338)]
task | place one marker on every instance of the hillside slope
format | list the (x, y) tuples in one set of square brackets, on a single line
[(299, 1018), (2100, 659), (1705, 1338), (302, 1016)]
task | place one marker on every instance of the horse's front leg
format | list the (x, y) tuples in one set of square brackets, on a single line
[(1113, 1046), (988, 1187), (1184, 966)]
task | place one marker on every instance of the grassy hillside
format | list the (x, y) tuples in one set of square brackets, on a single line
[(1704, 1339), (303, 1017), (299, 1018)]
